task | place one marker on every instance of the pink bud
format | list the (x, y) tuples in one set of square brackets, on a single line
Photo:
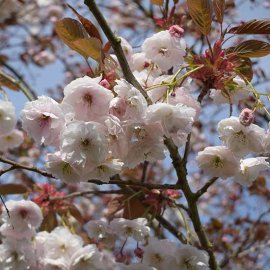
[(176, 31), (246, 117), (138, 252), (105, 83)]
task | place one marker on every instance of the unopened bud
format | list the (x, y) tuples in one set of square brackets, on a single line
[(246, 117), (105, 83), (176, 31), (138, 252)]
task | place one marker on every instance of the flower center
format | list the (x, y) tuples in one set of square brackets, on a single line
[(88, 99), (217, 162), (163, 51)]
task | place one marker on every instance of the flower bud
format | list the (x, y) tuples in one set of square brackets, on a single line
[(246, 117), (105, 83), (176, 31)]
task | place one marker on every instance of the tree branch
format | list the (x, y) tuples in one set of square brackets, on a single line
[(116, 45), (204, 189)]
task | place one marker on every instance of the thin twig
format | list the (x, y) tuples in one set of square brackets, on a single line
[(204, 189)]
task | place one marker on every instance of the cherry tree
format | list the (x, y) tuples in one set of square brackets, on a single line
[(148, 156)]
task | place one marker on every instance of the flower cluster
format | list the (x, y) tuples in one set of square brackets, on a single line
[(10, 137), (25, 248), (101, 127), (239, 139)]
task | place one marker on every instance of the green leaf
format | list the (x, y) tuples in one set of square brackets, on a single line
[(219, 8), (75, 36), (253, 27), (252, 48), (201, 13), (7, 189)]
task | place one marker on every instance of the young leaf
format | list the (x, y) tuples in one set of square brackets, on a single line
[(87, 24), (88, 47), (201, 13), (252, 48), (7, 189), (219, 8), (74, 35), (253, 27)]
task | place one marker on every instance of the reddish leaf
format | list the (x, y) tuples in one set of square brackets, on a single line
[(87, 24), (7, 189), (219, 8), (201, 13), (253, 27), (252, 48), (74, 35), (107, 47)]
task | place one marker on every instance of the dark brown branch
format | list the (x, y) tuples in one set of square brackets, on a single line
[(85, 193), (204, 189), (16, 165), (167, 225)]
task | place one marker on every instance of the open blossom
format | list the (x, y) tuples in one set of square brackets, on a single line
[(7, 117), (191, 258), (88, 98), (25, 217), (84, 144), (145, 143), (218, 161), (165, 50), (17, 255), (61, 169), (176, 120), (236, 93), (60, 245), (43, 119), (11, 140), (135, 228), (250, 168), (239, 138), (106, 169), (130, 104), (161, 254), (89, 257), (96, 229)]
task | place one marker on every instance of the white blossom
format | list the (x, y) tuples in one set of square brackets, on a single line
[(191, 258), (218, 161), (84, 144), (165, 50), (88, 98), (11, 140), (25, 217), (60, 168), (7, 117), (135, 228), (239, 138), (176, 120), (161, 254), (250, 168), (43, 119)]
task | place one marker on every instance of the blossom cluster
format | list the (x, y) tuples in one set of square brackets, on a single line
[(103, 126), (240, 139), (10, 137), (25, 248)]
